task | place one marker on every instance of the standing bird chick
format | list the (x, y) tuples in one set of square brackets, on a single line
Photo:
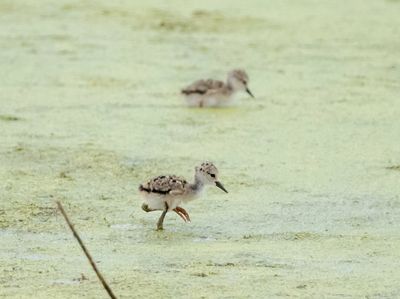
[(166, 192), (214, 93)]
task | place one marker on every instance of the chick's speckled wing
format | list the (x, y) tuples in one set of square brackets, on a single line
[(202, 86), (165, 184)]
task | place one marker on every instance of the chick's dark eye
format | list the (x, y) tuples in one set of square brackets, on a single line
[(212, 175)]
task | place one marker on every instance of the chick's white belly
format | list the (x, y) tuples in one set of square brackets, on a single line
[(209, 100), (194, 100), (157, 202)]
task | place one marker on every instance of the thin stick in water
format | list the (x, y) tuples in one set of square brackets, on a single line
[(89, 257)]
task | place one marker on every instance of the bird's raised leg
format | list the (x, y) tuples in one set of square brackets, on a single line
[(161, 219), (182, 213), (146, 208)]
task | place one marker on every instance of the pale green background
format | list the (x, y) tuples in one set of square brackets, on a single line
[(90, 108)]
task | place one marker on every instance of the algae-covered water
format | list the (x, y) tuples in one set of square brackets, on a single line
[(90, 108)]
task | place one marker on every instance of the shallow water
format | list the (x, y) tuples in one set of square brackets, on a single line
[(91, 108)]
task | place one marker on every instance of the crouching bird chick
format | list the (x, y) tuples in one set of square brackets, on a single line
[(215, 93), (167, 192)]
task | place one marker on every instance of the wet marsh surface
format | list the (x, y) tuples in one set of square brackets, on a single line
[(90, 108)]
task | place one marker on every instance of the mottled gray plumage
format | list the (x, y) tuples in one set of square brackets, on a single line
[(164, 184), (202, 86)]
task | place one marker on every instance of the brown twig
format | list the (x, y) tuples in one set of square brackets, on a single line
[(71, 226)]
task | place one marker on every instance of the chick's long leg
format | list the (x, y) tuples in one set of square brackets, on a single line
[(161, 219)]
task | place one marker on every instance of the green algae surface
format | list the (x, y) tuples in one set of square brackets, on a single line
[(90, 108)]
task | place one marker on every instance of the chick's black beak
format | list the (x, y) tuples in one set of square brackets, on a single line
[(249, 92), (220, 186)]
